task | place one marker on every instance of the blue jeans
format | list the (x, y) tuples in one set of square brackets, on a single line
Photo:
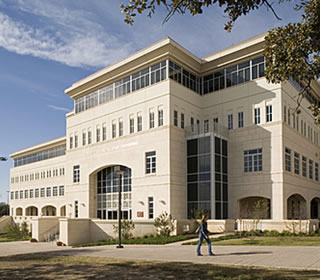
[(201, 237)]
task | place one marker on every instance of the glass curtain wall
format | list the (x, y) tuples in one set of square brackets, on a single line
[(107, 193)]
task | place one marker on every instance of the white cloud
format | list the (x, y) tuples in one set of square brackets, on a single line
[(64, 35), (57, 108)]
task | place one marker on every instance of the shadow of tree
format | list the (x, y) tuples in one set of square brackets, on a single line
[(51, 266)]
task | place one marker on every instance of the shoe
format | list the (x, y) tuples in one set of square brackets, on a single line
[(199, 255), (211, 254)]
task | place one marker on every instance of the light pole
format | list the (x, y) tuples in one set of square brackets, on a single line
[(119, 172)]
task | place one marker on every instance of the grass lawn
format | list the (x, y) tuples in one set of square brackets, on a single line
[(266, 241), (46, 266), (156, 240)]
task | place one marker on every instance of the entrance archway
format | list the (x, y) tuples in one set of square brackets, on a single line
[(315, 208), (254, 207), (296, 207), (32, 211), (107, 193), (49, 210)]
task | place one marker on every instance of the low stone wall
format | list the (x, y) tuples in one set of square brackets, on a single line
[(305, 226), (74, 231), (45, 228)]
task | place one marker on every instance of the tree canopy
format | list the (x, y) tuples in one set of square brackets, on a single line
[(291, 51)]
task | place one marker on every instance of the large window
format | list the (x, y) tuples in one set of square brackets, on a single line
[(50, 153), (48, 191), (240, 119), (107, 193), (269, 113), (151, 119), (141, 79), (76, 174), (175, 118), (150, 208), (310, 169), (230, 121), (253, 160), (296, 163), (42, 192), (288, 159), (61, 190), (76, 209), (304, 166), (160, 117), (257, 118), (55, 191), (150, 162)]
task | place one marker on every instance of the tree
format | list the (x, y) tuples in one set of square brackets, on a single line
[(164, 224), (292, 51), (4, 209)]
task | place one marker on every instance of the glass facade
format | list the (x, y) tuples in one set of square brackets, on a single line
[(131, 83), (50, 153), (107, 193), (200, 187)]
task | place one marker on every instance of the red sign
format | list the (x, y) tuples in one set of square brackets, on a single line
[(140, 214)]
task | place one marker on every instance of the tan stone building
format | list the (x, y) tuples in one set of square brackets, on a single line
[(188, 133)]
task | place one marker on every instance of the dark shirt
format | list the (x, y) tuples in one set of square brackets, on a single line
[(204, 228)]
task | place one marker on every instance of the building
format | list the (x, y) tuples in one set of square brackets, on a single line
[(188, 133)]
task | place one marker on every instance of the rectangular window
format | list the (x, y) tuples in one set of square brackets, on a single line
[(36, 193), (104, 132), (316, 171), (150, 207), (76, 209), (21, 194), (76, 174), (131, 125), (192, 123), (288, 159), (150, 162), (31, 193), (12, 195), (61, 190), (76, 140), (16, 195), (296, 163), (182, 120), (48, 191), (114, 130), (120, 127), (98, 134), (55, 191), (84, 138), (151, 119), (139, 122), (160, 117), (70, 142), (285, 113), (269, 113), (26, 194), (304, 166), (310, 169), (175, 118), (253, 160), (42, 192), (230, 121), (206, 126), (289, 116), (240, 119), (89, 136)]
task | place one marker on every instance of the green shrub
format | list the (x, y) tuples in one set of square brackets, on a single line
[(274, 233), (164, 224), (126, 229), (16, 231), (286, 233)]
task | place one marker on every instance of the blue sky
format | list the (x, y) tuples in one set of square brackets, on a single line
[(46, 45)]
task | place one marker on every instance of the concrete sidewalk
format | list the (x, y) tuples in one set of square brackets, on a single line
[(260, 256)]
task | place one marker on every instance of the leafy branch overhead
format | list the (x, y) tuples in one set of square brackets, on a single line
[(291, 52), (234, 9)]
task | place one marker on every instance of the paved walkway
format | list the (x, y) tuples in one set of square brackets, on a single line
[(263, 256)]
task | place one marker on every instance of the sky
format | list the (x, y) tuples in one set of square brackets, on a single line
[(47, 45)]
